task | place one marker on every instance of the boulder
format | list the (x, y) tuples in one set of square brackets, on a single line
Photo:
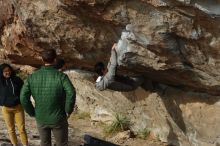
[(173, 42)]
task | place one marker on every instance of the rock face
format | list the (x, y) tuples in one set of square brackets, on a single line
[(172, 42), (172, 116)]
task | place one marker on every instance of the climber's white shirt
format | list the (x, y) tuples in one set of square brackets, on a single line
[(99, 79)]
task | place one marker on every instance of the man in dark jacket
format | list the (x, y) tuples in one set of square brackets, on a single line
[(54, 97)]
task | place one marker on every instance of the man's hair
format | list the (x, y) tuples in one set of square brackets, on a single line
[(49, 55), (99, 67), (59, 63)]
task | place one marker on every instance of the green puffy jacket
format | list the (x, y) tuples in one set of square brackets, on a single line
[(53, 93)]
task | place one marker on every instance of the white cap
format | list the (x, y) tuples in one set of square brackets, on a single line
[(129, 27)]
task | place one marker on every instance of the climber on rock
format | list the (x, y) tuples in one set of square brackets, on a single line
[(107, 77)]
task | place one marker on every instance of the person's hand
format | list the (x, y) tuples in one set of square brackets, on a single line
[(114, 46)]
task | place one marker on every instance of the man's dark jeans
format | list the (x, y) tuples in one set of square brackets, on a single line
[(60, 132)]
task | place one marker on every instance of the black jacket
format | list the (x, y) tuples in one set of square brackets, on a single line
[(10, 88)]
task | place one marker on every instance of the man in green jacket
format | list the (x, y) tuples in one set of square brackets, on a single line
[(54, 97)]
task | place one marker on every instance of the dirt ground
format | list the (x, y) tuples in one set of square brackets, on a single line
[(78, 127)]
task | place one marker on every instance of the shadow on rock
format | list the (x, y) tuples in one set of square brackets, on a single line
[(92, 141)]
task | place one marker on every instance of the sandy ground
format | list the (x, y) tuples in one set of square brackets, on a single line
[(77, 128)]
